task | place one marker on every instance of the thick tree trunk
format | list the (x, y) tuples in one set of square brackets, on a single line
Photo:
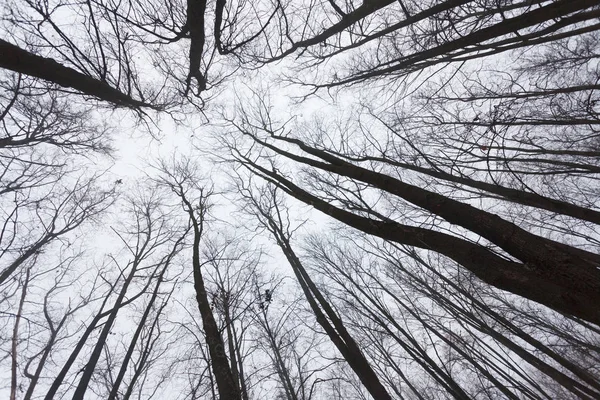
[(571, 293), (226, 386), (16, 59)]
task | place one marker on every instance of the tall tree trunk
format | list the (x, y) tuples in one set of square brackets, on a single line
[(337, 332), (90, 366), (226, 385), (556, 275), (124, 365), (280, 367), (22, 61), (15, 339), (58, 380)]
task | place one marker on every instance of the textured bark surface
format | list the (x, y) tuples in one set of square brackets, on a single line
[(24, 62), (562, 290)]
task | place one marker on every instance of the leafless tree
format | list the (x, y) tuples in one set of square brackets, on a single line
[(134, 54), (455, 182), (561, 276), (273, 217), (182, 179)]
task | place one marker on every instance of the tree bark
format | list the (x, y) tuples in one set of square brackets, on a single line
[(578, 300), (19, 60)]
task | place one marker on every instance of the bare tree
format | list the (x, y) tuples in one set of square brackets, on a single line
[(183, 180), (462, 329), (273, 217), (133, 54), (458, 167), (230, 266), (555, 274), (287, 335), (43, 195), (150, 229), (57, 323), (15, 338)]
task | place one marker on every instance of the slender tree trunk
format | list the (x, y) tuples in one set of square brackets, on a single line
[(231, 345), (31, 252), (509, 194), (337, 333), (15, 339), (240, 361), (124, 365), (58, 380), (90, 366), (226, 386), (45, 354), (140, 365), (280, 367)]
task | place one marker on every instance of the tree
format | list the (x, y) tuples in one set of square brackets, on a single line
[(117, 52), (438, 212), (56, 323), (560, 276), (44, 197), (268, 211), (151, 230), (386, 38), (287, 336), (393, 286), (230, 266), (151, 239), (182, 179)]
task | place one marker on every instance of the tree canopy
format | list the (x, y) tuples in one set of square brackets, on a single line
[(337, 199)]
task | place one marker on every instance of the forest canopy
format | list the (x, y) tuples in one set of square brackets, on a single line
[(299, 200)]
